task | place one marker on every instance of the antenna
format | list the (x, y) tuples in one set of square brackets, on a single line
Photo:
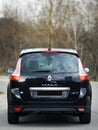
[(49, 48)]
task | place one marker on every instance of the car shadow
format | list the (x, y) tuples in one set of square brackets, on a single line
[(49, 120)]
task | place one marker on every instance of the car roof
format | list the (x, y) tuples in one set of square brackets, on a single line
[(25, 51)]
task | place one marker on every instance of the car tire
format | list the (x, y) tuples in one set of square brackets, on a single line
[(13, 118), (85, 118)]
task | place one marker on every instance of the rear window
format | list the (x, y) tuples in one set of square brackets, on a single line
[(48, 62)]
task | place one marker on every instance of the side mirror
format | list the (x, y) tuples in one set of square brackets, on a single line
[(86, 70), (10, 70)]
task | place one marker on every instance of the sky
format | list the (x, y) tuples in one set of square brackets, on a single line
[(26, 5), (22, 5), (1, 5)]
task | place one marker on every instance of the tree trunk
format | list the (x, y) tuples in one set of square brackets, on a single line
[(51, 39)]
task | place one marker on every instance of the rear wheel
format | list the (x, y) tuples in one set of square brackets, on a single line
[(13, 118), (85, 118)]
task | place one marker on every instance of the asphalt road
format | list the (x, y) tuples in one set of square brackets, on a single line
[(46, 121)]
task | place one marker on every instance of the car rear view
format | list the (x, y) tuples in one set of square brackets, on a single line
[(49, 81)]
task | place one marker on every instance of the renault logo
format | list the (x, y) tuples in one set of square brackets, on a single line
[(49, 78)]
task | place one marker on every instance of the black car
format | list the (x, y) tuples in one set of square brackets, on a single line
[(51, 80)]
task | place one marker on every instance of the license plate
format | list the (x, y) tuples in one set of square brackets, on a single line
[(49, 93)]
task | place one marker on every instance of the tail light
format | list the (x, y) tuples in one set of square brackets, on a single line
[(82, 74), (82, 92), (83, 77), (14, 77), (16, 92), (16, 73), (17, 109)]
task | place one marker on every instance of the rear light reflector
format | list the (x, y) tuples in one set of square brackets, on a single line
[(14, 77), (81, 109), (17, 109)]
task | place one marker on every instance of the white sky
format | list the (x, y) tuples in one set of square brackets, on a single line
[(1, 1), (25, 5)]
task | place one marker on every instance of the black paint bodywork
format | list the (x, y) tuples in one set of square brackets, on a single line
[(67, 105), (50, 101)]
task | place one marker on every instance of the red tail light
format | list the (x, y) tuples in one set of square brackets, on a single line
[(17, 109), (82, 73), (14, 77), (85, 77)]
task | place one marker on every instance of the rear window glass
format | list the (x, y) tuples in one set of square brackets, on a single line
[(48, 62)]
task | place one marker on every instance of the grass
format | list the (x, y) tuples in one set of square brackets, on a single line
[(4, 73), (1, 92), (94, 80)]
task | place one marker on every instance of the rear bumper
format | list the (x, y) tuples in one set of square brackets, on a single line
[(68, 110), (82, 105), (49, 109)]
